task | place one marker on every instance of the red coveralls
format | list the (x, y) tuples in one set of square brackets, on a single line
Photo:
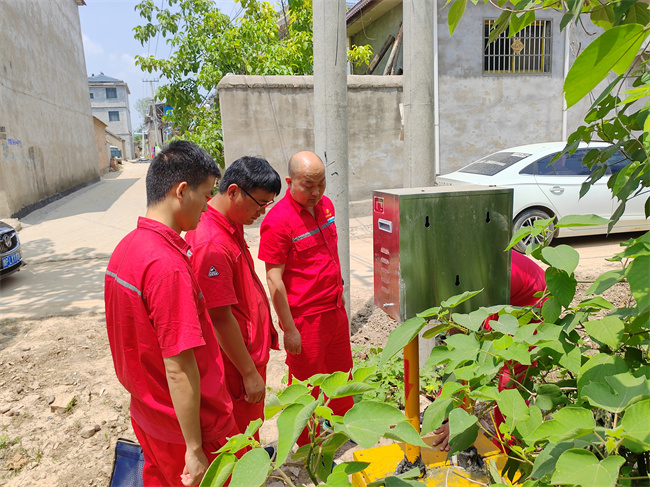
[(155, 309), (307, 247), (225, 271), (526, 279)]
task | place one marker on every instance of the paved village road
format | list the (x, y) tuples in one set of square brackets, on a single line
[(67, 245)]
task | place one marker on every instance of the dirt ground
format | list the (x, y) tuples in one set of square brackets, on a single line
[(62, 408)]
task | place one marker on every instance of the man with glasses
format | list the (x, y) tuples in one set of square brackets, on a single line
[(234, 295)]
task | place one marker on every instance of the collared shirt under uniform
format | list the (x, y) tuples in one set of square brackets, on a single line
[(226, 274), (154, 310), (307, 247)]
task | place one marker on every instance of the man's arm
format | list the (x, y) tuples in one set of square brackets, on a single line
[(184, 383), (231, 341), (292, 341)]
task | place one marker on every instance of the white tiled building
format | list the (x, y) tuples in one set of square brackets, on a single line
[(109, 98)]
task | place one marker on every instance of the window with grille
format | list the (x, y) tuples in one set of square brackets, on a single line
[(111, 92), (113, 116), (527, 52)]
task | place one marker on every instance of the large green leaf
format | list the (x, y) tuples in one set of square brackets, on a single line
[(472, 321), (615, 393), (546, 460), (219, 470), (636, 423), (517, 352), (567, 423), (614, 50), (581, 467), (506, 324), (608, 330), (436, 413), (561, 285), (406, 433), (638, 14), (637, 275), (463, 430), (513, 406), (599, 366), (336, 478), (367, 421), (400, 337), (549, 396), (525, 428), (252, 469), (455, 14), (291, 422), (454, 301), (581, 221), (551, 310), (563, 257)]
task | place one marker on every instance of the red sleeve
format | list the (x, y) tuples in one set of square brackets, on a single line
[(526, 279), (213, 267), (172, 304), (275, 242)]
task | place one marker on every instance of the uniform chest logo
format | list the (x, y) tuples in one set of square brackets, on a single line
[(213, 272)]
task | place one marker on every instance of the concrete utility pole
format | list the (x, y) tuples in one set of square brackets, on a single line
[(419, 149), (331, 117), (153, 110)]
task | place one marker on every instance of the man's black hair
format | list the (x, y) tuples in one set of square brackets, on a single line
[(250, 173), (179, 161)]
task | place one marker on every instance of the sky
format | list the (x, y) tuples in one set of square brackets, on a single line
[(109, 46)]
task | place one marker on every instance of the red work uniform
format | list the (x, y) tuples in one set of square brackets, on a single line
[(154, 310), (307, 247), (526, 280), (224, 268)]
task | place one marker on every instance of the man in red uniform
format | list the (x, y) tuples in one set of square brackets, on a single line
[(526, 280), (164, 348), (234, 295), (298, 242)]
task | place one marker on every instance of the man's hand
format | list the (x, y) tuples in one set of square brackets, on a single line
[(292, 341), (443, 437), (255, 387), (196, 464)]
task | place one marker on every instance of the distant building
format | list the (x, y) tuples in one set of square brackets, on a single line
[(109, 99)]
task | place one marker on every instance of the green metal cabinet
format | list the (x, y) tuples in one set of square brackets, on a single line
[(433, 243)]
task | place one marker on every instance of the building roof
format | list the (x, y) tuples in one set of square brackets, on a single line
[(367, 11), (102, 78)]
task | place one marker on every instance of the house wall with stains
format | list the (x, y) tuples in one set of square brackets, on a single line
[(47, 144)]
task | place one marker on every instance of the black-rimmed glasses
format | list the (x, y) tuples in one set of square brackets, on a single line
[(261, 205)]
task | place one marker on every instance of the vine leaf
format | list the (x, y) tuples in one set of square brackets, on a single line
[(581, 467)]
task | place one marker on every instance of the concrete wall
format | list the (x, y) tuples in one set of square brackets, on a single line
[(103, 154), (479, 114), (272, 117), (48, 145), (102, 105)]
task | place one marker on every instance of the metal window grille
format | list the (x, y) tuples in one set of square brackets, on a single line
[(527, 52)]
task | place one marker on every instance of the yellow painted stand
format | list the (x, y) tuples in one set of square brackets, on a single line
[(384, 460)]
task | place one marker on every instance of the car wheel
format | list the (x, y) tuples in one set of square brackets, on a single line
[(528, 219)]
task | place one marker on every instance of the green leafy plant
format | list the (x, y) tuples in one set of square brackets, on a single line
[(390, 379), (297, 409), (205, 45), (580, 414)]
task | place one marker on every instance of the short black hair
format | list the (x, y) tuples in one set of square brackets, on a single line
[(250, 173), (179, 161)]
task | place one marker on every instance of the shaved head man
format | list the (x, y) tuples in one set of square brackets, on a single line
[(299, 245)]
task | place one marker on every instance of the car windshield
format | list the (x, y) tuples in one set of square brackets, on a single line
[(494, 163)]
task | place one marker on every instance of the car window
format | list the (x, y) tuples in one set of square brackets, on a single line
[(617, 162), (566, 165), (494, 163)]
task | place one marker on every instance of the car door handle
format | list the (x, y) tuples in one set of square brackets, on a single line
[(557, 190)]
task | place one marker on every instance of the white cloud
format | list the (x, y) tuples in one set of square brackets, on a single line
[(91, 48)]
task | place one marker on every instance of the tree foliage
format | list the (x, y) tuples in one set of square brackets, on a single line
[(205, 45)]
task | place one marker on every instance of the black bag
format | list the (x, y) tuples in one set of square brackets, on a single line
[(129, 462)]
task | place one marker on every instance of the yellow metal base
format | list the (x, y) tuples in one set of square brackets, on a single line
[(384, 460)]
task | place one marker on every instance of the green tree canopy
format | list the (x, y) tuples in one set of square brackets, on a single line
[(206, 45)]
